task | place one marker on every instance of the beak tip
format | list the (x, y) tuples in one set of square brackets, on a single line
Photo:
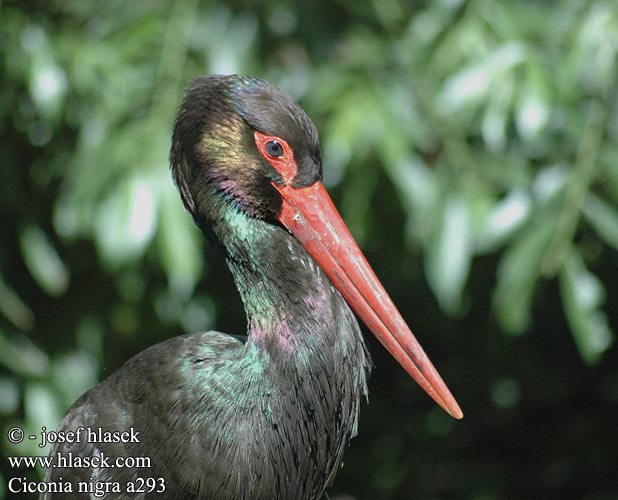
[(447, 402), (453, 410), (458, 415)]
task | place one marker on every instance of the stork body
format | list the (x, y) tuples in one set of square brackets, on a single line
[(224, 420), (267, 416)]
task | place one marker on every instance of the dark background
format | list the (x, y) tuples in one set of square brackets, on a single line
[(471, 146)]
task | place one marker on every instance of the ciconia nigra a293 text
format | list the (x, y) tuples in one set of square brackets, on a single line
[(270, 416)]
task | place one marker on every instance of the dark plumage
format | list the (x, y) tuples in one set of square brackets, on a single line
[(267, 418)]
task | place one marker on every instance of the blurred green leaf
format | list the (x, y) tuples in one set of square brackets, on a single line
[(21, 356), (449, 254), (43, 261), (497, 114), (471, 85), (127, 221), (596, 46), (504, 219), (418, 191), (14, 308), (41, 410), (603, 217), (9, 395), (583, 295), (533, 107), (505, 392), (550, 181), (47, 80), (180, 244), (348, 137), (518, 272)]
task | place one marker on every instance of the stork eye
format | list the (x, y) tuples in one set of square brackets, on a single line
[(274, 149)]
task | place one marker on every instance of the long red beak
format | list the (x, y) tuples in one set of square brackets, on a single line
[(310, 215)]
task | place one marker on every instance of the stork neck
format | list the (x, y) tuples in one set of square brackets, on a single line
[(302, 371), (284, 292)]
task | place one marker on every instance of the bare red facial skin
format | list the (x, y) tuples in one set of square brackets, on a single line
[(285, 164), (310, 216)]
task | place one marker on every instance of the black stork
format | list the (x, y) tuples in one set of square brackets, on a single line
[(267, 416)]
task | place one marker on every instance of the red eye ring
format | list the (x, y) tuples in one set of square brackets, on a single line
[(278, 153)]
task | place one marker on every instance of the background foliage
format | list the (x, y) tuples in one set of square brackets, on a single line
[(472, 146)]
